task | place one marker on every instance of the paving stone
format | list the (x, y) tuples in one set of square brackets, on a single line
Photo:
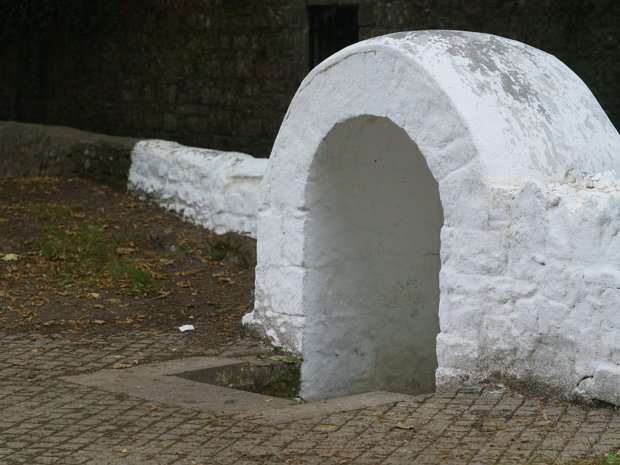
[(46, 419)]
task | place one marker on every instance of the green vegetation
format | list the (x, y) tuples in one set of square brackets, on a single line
[(611, 458), (138, 275), (87, 256)]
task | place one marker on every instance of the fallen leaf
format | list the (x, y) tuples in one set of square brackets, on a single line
[(119, 356), (166, 261), (403, 425), (94, 295), (187, 272), (545, 416), (223, 278), (163, 294), (124, 250), (327, 428), (497, 425), (121, 365), (10, 257), (99, 322), (151, 408)]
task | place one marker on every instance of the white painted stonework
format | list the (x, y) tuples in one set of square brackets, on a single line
[(424, 221), (215, 189)]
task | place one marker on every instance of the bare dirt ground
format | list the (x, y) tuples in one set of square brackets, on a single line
[(79, 256)]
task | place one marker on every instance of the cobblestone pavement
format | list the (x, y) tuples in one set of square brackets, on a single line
[(47, 420)]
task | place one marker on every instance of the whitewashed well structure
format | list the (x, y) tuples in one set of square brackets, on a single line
[(439, 208)]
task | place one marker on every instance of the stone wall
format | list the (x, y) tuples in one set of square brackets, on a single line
[(546, 263), (213, 73), (552, 297), (217, 190), (221, 73), (38, 150)]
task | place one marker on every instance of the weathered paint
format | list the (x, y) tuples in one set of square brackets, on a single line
[(529, 287), (215, 189)]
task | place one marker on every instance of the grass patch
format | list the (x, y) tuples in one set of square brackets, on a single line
[(139, 277), (610, 458), (86, 256), (52, 212)]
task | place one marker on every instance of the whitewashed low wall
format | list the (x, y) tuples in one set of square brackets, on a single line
[(536, 291), (215, 189)]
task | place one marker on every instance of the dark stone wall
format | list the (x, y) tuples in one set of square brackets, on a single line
[(221, 73), (41, 150), (216, 73)]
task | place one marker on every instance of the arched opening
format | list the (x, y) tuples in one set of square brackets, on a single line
[(371, 293)]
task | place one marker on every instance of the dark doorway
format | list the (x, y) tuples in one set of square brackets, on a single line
[(331, 29)]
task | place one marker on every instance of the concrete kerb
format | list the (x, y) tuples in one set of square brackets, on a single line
[(157, 382)]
